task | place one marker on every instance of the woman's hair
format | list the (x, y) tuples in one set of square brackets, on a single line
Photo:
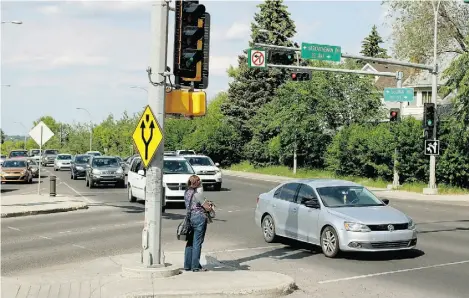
[(194, 181)]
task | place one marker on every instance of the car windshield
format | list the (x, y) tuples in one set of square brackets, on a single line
[(18, 153), (200, 161), (105, 162), (14, 164), (64, 157), (348, 196), (82, 159), (94, 153), (51, 152), (35, 152), (177, 167)]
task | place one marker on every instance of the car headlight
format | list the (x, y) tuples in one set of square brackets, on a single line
[(119, 171), (80, 168), (356, 227), (411, 224), (217, 171), (96, 172)]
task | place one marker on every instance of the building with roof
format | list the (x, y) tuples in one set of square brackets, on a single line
[(420, 80)]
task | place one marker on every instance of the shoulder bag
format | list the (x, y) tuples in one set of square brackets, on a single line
[(184, 229)]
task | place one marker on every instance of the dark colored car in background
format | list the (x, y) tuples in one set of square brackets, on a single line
[(78, 166), (48, 156), (18, 154), (104, 170)]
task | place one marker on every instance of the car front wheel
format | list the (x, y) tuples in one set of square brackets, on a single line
[(268, 229), (329, 242)]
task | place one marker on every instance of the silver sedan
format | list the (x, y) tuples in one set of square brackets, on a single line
[(338, 215)]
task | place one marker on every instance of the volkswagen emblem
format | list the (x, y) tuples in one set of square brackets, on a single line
[(390, 228)]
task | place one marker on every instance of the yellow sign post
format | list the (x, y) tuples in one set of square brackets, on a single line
[(147, 136)]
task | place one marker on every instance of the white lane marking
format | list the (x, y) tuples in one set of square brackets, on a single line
[(392, 272), (44, 237), (15, 229), (250, 248), (88, 200)]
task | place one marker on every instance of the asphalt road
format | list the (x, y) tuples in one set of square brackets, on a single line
[(112, 225)]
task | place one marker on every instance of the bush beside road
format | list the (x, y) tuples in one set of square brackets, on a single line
[(284, 171)]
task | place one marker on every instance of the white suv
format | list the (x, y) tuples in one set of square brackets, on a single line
[(206, 169), (176, 173)]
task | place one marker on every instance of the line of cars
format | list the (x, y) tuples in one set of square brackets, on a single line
[(18, 167), (178, 166)]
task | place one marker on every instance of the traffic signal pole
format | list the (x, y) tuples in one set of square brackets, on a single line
[(151, 234), (295, 157)]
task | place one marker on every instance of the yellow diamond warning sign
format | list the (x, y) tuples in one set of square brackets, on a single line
[(147, 136)]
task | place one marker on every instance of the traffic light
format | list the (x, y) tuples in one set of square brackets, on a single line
[(283, 58), (300, 76), (429, 115), (185, 102), (191, 44), (394, 115)]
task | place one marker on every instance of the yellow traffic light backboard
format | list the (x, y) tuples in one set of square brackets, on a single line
[(184, 102), (147, 136)]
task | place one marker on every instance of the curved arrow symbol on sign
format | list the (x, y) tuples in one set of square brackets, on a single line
[(145, 141)]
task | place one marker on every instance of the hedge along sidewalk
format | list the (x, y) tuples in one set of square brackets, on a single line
[(381, 192)]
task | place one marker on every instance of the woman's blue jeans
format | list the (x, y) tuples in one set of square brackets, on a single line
[(194, 244)]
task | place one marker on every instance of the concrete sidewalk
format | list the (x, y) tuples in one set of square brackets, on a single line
[(380, 192), (23, 205), (105, 278)]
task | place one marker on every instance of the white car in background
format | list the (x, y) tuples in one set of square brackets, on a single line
[(206, 169), (62, 161), (176, 173), (184, 152), (93, 153)]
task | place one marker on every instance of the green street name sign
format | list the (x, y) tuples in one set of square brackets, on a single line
[(320, 52), (399, 94)]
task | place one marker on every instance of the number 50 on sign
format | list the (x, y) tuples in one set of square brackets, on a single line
[(256, 58)]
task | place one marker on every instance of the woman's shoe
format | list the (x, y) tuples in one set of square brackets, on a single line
[(200, 270)]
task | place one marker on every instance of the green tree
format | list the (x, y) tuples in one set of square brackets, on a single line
[(175, 132), (214, 136), (412, 25), (370, 45), (252, 88)]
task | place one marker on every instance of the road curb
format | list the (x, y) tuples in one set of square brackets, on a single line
[(44, 211)]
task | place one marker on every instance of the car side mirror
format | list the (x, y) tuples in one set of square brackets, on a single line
[(385, 201), (217, 164), (312, 203), (141, 172)]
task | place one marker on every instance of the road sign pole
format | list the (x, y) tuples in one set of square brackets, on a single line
[(151, 236), (40, 162)]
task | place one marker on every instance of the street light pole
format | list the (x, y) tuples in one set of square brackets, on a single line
[(25, 135), (91, 126), (295, 145)]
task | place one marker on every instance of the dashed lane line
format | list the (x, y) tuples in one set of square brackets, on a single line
[(14, 229)]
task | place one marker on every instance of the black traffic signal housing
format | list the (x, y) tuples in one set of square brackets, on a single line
[(394, 114), (283, 58), (429, 118), (300, 76), (191, 44)]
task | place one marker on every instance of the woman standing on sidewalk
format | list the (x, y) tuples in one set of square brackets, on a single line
[(198, 224)]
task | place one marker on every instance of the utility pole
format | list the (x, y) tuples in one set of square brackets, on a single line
[(295, 149), (432, 188), (395, 180), (151, 235)]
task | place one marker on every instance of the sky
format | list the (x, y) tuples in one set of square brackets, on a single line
[(88, 54)]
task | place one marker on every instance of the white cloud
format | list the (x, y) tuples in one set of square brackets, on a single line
[(49, 9), (238, 31), (219, 64)]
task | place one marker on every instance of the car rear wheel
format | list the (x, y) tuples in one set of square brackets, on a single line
[(268, 229), (329, 242), (132, 199)]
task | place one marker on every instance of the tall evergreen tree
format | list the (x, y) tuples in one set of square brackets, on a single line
[(252, 88), (370, 45)]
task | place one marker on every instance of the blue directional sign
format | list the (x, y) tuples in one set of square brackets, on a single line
[(399, 94)]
